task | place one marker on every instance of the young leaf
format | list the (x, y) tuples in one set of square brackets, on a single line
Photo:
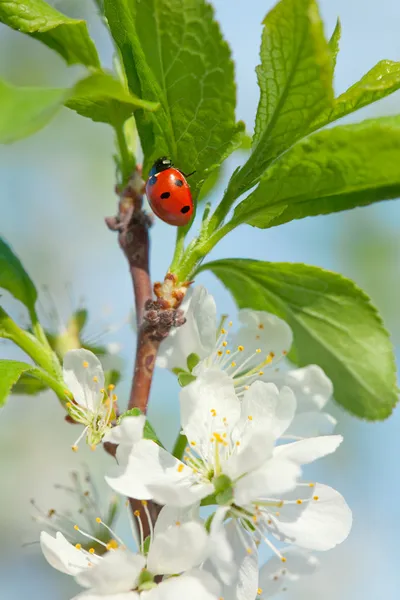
[(333, 170), (28, 385), (10, 371), (69, 37), (174, 54), (102, 98), (381, 81), (25, 110), (334, 42), (334, 325), (15, 279), (295, 79)]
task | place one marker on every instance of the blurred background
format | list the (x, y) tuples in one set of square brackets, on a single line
[(56, 188)]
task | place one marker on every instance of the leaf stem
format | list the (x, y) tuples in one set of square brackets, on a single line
[(127, 161), (179, 248)]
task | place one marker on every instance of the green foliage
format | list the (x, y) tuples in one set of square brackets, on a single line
[(381, 81), (334, 326), (28, 385), (334, 42), (336, 169), (100, 97), (148, 432), (295, 79), (185, 378), (15, 279), (23, 110), (192, 361), (174, 54), (12, 370), (69, 37)]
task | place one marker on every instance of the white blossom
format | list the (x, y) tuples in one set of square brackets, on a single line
[(232, 453), (257, 351), (92, 405), (175, 551)]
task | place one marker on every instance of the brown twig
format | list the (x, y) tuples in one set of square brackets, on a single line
[(154, 318)]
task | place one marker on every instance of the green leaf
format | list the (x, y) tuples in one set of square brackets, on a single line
[(23, 110), (10, 372), (333, 170), (15, 279), (192, 361), (381, 81), (148, 432), (295, 79), (69, 37), (102, 98), (174, 54), (334, 42), (185, 378), (334, 326), (28, 385)]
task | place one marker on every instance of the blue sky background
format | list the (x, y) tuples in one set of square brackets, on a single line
[(55, 189)]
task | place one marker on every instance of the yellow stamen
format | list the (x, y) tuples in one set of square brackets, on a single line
[(250, 418), (111, 387), (177, 523), (299, 501), (259, 591), (213, 412), (76, 527), (192, 443), (85, 364), (68, 405), (311, 485), (315, 497), (224, 344), (228, 351), (95, 379), (91, 550), (98, 520), (143, 502), (78, 546), (220, 353), (74, 448), (137, 513), (233, 364), (93, 447), (240, 348), (283, 558), (223, 331)]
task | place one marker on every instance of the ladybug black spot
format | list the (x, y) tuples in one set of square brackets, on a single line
[(152, 180), (185, 209), (165, 195), (178, 182)]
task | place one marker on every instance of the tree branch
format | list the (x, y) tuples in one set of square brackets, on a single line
[(154, 318)]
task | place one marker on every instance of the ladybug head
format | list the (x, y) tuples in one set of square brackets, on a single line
[(161, 164)]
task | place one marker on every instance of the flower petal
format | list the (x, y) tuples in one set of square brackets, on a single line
[(129, 432), (152, 473), (263, 330), (197, 335), (193, 585), (242, 579), (310, 449), (62, 555), (84, 376), (320, 522), (172, 515), (207, 405), (277, 476), (311, 386), (178, 549), (270, 409), (274, 576), (221, 552), (117, 572), (311, 424), (249, 455), (90, 595)]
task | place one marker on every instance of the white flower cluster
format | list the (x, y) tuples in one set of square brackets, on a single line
[(251, 422)]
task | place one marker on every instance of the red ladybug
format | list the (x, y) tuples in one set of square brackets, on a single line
[(169, 193)]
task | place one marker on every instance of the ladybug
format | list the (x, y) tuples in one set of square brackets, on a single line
[(169, 193)]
